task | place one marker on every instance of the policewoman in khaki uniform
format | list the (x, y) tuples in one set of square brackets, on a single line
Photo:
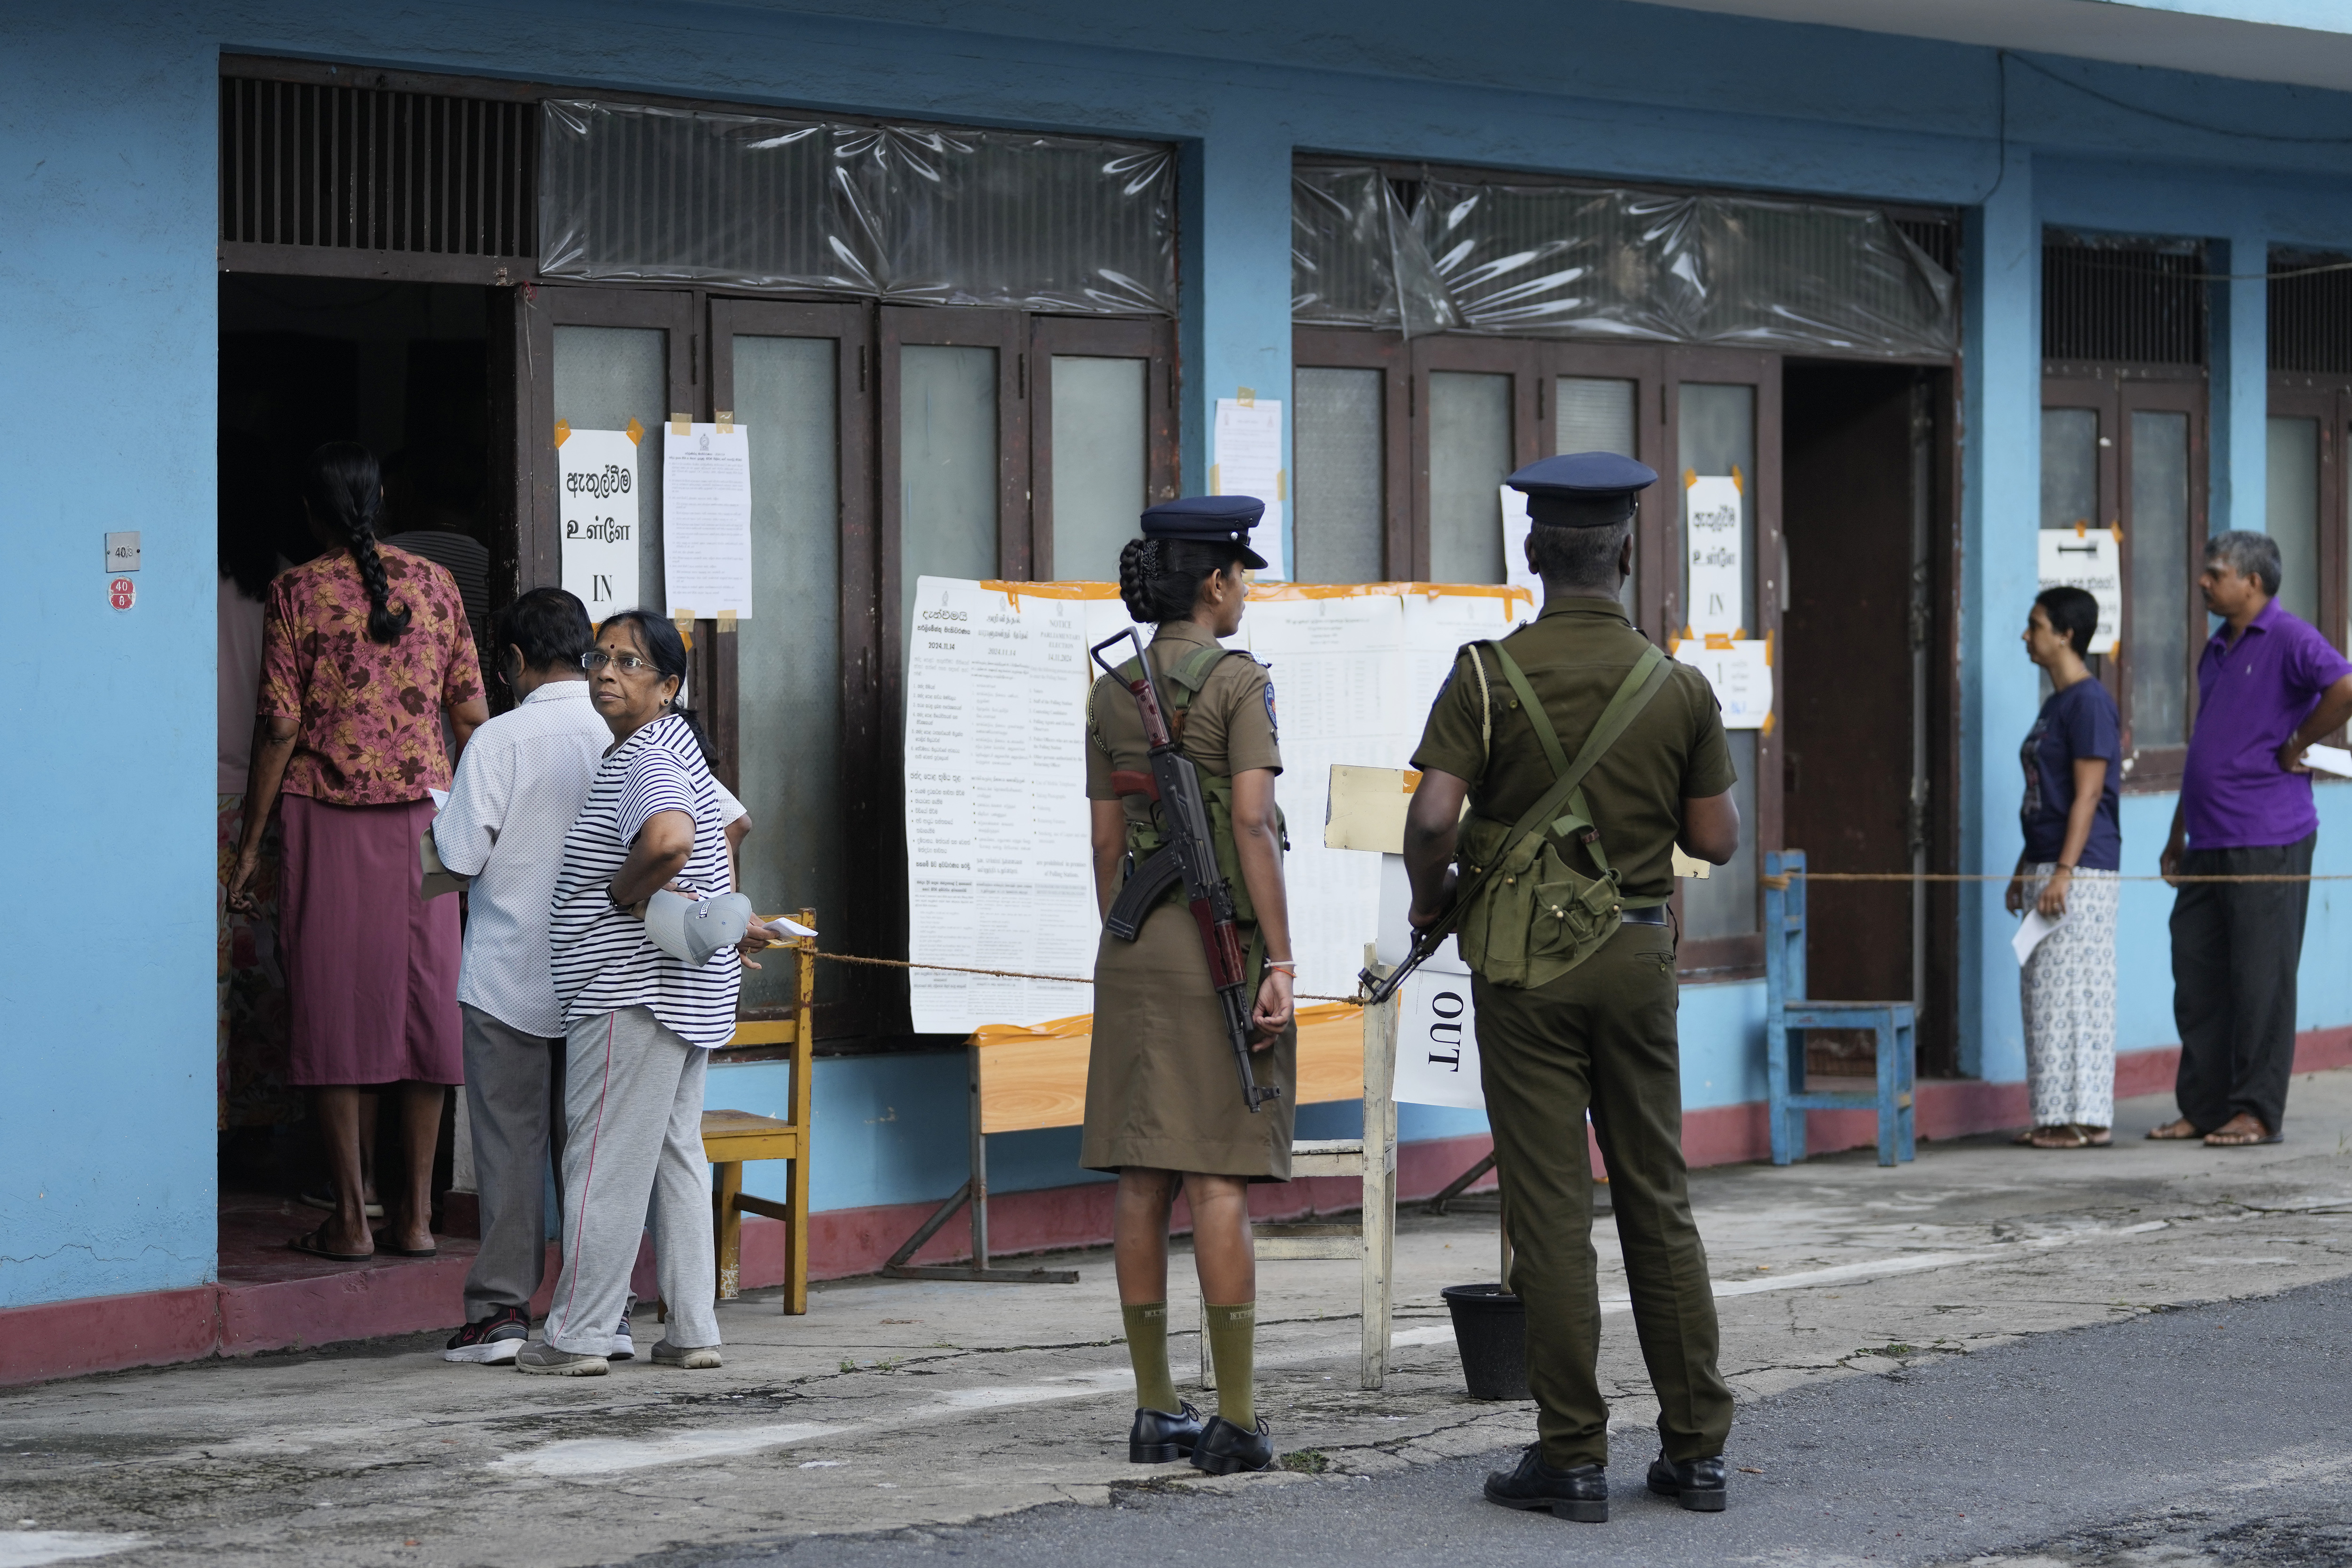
[(1164, 1103), (1572, 965)]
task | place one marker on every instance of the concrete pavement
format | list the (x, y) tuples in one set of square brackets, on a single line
[(906, 1405)]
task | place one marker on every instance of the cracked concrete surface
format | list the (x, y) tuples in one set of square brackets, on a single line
[(898, 1404)]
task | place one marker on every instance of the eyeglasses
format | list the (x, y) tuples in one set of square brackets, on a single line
[(596, 658)]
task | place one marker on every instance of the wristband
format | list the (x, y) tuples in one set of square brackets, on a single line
[(1290, 964)]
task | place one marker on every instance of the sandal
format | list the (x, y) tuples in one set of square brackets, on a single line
[(2095, 1137), (2025, 1139), (2063, 1136), (314, 1245), (2246, 1138), (2176, 1131)]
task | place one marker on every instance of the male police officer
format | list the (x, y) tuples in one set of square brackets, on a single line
[(1573, 970)]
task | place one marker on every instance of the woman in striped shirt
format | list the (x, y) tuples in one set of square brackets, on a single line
[(640, 1023)]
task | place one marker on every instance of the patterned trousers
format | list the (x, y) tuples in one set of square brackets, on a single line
[(2069, 992)]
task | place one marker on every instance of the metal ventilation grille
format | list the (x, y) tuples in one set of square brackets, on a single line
[(2105, 303), (2310, 316), (374, 169)]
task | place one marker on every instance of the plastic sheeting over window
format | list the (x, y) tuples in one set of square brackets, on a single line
[(1635, 266), (632, 192)]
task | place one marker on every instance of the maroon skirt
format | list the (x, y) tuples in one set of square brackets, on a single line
[(370, 968)]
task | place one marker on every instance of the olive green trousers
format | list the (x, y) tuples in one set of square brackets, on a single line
[(1601, 1037)]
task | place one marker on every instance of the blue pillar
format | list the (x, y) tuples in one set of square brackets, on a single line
[(1235, 184), (2001, 484), (2240, 398)]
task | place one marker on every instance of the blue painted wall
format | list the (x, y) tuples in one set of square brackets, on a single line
[(106, 141)]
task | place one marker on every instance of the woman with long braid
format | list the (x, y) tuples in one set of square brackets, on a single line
[(363, 649)]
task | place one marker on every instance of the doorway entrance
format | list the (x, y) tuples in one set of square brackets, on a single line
[(1862, 589), (402, 369)]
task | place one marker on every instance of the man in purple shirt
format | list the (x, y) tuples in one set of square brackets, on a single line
[(2267, 688)]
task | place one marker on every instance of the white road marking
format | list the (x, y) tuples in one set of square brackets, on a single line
[(608, 1456), (34, 1548)]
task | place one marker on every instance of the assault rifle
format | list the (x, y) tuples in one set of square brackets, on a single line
[(1190, 854)]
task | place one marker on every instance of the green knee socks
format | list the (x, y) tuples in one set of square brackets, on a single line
[(1147, 1348), (1233, 1342)]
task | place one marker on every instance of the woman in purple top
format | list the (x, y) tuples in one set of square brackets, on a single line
[(2068, 871)]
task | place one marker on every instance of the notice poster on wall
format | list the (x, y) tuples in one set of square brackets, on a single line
[(1740, 670), (2090, 559), (1248, 462), (596, 505), (999, 872), (1516, 570), (707, 520), (1718, 570)]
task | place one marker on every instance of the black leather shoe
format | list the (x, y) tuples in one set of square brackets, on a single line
[(1580, 1494), (1224, 1450), (1696, 1484), (1158, 1437)]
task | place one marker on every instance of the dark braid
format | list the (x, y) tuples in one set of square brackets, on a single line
[(1159, 579), (345, 491)]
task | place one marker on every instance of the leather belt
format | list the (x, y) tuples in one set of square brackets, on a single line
[(1653, 916)]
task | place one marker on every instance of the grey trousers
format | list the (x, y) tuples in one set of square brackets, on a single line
[(633, 1112), (514, 1093), (2236, 949)]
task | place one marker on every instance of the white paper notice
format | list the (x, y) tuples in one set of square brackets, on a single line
[(1516, 570), (2030, 932), (2092, 562), (707, 521), (1248, 462), (1718, 573), (1740, 671), (596, 500)]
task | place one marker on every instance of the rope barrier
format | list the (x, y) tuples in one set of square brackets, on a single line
[(1005, 973)]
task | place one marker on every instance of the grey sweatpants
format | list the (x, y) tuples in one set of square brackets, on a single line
[(514, 1089), (633, 1115)]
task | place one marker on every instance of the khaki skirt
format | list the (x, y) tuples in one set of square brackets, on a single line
[(1162, 1089)]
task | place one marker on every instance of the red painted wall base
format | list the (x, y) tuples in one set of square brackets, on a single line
[(67, 1339)]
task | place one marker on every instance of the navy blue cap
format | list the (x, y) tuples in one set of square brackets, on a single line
[(1582, 489), (1212, 520)]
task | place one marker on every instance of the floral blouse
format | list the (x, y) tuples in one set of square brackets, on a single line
[(369, 712)]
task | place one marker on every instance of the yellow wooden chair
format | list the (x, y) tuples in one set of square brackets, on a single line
[(731, 1137)]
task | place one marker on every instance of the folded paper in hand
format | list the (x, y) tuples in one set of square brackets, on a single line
[(439, 878), (2328, 760), (2030, 932)]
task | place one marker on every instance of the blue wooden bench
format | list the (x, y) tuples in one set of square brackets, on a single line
[(1789, 1012)]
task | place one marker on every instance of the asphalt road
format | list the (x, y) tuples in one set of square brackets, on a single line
[(2219, 1432)]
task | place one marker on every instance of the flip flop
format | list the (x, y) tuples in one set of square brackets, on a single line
[(2095, 1137), (2169, 1133), (308, 1244), (2215, 1140), (2066, 1136), (383, 1251), (2025, 1139)]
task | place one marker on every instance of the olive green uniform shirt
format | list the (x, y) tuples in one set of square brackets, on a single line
[(1229, 727), (1575, 655)]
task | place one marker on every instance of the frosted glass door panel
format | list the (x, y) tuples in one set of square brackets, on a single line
[(1595, 413), (2156, 654), (1340, 511), (947, 466), (788, 654), (1101, 435), (2070, 468), (1724, 903), (604, 377), (2293, 513), (1718, 437), (1469, 458)]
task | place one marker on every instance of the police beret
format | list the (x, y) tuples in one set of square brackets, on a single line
[(1211, 520), (1582, 489)]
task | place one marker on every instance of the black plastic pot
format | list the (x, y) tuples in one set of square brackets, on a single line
[(1490, 1330)]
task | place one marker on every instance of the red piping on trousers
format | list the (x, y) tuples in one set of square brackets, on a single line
[(580, 1235)]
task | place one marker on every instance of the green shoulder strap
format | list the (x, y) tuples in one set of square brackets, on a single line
[(1643, 681)]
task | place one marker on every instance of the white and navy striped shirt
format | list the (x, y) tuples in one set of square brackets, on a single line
[(603, 958)]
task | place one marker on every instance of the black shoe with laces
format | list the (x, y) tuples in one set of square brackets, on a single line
[(1581, 1493), (1224, 1450), (1696, 1484), (1159, 1438), (493, 1341)]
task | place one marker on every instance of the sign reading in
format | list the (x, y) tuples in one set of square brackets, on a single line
[(596, 499), (1717, 600)]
